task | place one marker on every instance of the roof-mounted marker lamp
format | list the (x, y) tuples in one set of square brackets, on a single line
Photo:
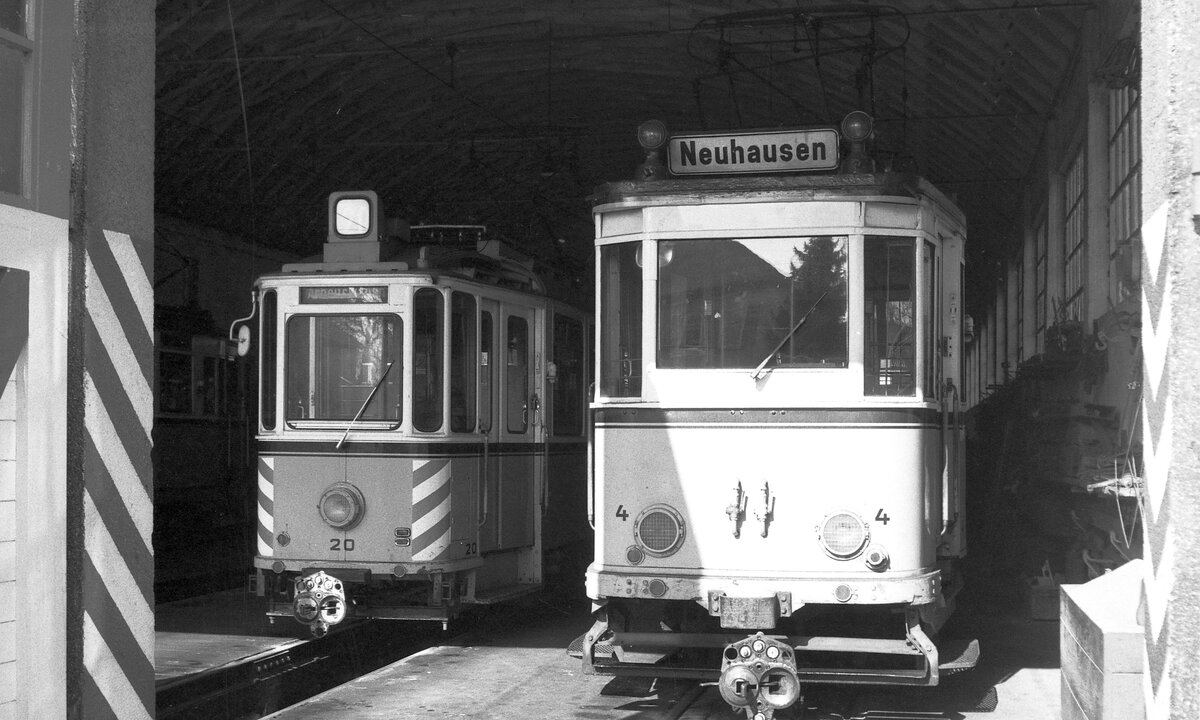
[(652, 136), (857, 127), (353, 235)]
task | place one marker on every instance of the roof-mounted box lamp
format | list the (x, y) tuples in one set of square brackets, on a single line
[(353, 227)]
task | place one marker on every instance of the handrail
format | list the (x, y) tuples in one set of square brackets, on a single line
[(948, 442)]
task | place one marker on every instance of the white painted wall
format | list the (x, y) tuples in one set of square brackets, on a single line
[(33, 477)]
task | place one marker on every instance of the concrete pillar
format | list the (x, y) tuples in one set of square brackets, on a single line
[(110, 561), (1170, 145)]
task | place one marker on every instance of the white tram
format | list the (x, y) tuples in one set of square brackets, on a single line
[(421, 440), (777, 466)]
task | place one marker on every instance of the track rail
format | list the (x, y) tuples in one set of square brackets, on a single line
[(263, 683)]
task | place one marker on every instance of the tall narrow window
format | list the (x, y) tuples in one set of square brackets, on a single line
[(1040, 278), (427, 360), (16, 52), (517, 383), (463, 362), (487, 371), (1020, 300), (267, 350), (1124, 192), (570, 376), (888, 328), (930, 324), (620, 320), (1075, 237)]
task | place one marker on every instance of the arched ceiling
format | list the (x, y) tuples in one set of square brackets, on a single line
[(509, 112)]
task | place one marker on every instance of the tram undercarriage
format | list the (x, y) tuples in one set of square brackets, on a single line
[(763, 671), (323, 597)]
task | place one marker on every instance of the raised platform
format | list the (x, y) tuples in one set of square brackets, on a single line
[(1103, 647)]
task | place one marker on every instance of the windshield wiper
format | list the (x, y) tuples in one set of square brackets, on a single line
[(758, 371), (366, 402)]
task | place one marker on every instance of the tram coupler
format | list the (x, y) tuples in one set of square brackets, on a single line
[(320, 602), (758, 675)]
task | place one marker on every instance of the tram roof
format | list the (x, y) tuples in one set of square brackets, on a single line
[(773, 188)]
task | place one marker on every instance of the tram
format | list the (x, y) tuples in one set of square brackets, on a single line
[(421, 423), (776, 476)]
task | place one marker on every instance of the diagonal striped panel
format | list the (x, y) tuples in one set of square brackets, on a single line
[(430, 508), (266, 506), (1157, 414), (118, 561)]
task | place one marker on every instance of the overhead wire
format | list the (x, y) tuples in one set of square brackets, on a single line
[(237, 64)]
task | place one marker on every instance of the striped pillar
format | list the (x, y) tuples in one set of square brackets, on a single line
[(117, 678), (1156, 439)]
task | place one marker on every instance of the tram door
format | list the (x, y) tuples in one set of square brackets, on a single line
[(489, 430), (519, 408), (950, 273)]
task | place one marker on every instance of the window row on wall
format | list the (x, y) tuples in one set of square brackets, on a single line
[(1080, 252)]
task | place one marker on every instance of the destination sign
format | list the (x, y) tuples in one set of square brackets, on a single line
[(351, 294), (754, 152)]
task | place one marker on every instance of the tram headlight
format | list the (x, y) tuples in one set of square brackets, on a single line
[(341, 506), (659, 530), (843, 535)]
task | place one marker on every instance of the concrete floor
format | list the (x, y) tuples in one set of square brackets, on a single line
[(526, 673)]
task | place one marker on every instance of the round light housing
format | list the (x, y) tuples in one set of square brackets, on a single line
[(658, 587), (634, 555), (857, 126), (877, 558), (843, 535), (659, 530), (652, 134), (341, 506)]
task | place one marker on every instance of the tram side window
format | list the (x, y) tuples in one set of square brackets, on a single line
[(463, 362), (620, 321), (570, 379), (931, 317), (517, 359), (343, 367), (267, 355), (487, 371), (888, 328), (427, 360)]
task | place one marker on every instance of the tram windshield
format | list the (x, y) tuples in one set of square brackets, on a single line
[(333, 364), (733, 303)]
